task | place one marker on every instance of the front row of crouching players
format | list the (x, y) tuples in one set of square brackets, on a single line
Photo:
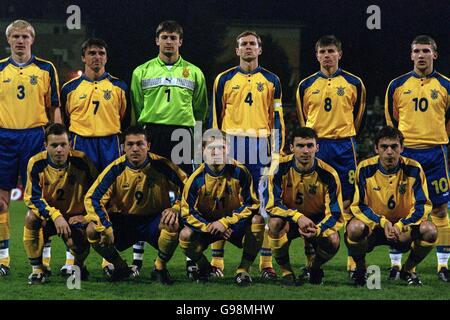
[(58, 179), (130, 202), (219, 203), (390, 207), (304, 199)]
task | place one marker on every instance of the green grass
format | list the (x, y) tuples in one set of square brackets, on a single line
[(337, 285)]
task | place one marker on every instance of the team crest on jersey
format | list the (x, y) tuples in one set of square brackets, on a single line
[(312, 189), (340, 91), (434, 94), (260, 86), (228, 189), (185, 72), (33, 80), (402, 188), (107, 94)]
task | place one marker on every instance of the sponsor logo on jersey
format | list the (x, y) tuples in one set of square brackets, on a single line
[(260, 86), (185, 72), (407, 92), (236, 87), (434, 94), (33, 80), (107, 94), (378, 188), (315, 91), (83, 96), (340, 91), (7, 80), (312, 189)]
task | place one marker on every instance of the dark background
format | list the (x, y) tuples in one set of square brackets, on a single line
[(377, 56)]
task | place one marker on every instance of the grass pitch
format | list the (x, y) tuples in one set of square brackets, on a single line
[(336, 283)]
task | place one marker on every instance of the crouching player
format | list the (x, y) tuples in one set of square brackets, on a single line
[(390, 207), (219, 203), (58, 179), (304, 198), (137, 186)]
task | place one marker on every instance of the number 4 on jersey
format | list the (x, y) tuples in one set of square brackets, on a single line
[(249, 99)]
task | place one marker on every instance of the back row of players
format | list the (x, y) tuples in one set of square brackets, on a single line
[(130, 201)]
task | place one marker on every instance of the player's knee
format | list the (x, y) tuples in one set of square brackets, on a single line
[(440, 212), (257, 219), (91, 233), (334, 242), (32, 222), (186, 234), (428, 231), (276, 225), (356, 230)]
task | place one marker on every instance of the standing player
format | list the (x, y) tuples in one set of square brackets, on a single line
[(247, 106), (390, 207), (219, 203), (332, 102), (95, 108), (417, 103), (58, 179), (29, 99), (130, 201), (304, 199), (168, 93)]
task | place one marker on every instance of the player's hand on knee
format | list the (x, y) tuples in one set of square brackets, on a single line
[(169, 217), (62, 227), (218, 229), (306, 227), (391, 232), (77, 219)]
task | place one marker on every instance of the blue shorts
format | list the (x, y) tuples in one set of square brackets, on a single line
[(101, 150), (129, 229), (434, 163), (17, 146), (254, 153), (341, 155), (236, 238)]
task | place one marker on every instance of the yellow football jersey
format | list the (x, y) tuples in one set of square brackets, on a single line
[(316, 194), (52, 191), (27, 93), (400, 196), (137, 191), (95, 108), (226, 196), (418, 107), (333, 106), (248, 103)]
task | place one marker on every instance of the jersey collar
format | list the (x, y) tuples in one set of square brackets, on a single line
[(393, 171), (162, 63), (11, 61), (431, 75), (337, 73), (131, 166), (313, 168), (54, 165), (258, 69), (102, 77), (211, 172)]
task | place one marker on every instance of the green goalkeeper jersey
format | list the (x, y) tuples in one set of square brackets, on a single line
[(169, 94)]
